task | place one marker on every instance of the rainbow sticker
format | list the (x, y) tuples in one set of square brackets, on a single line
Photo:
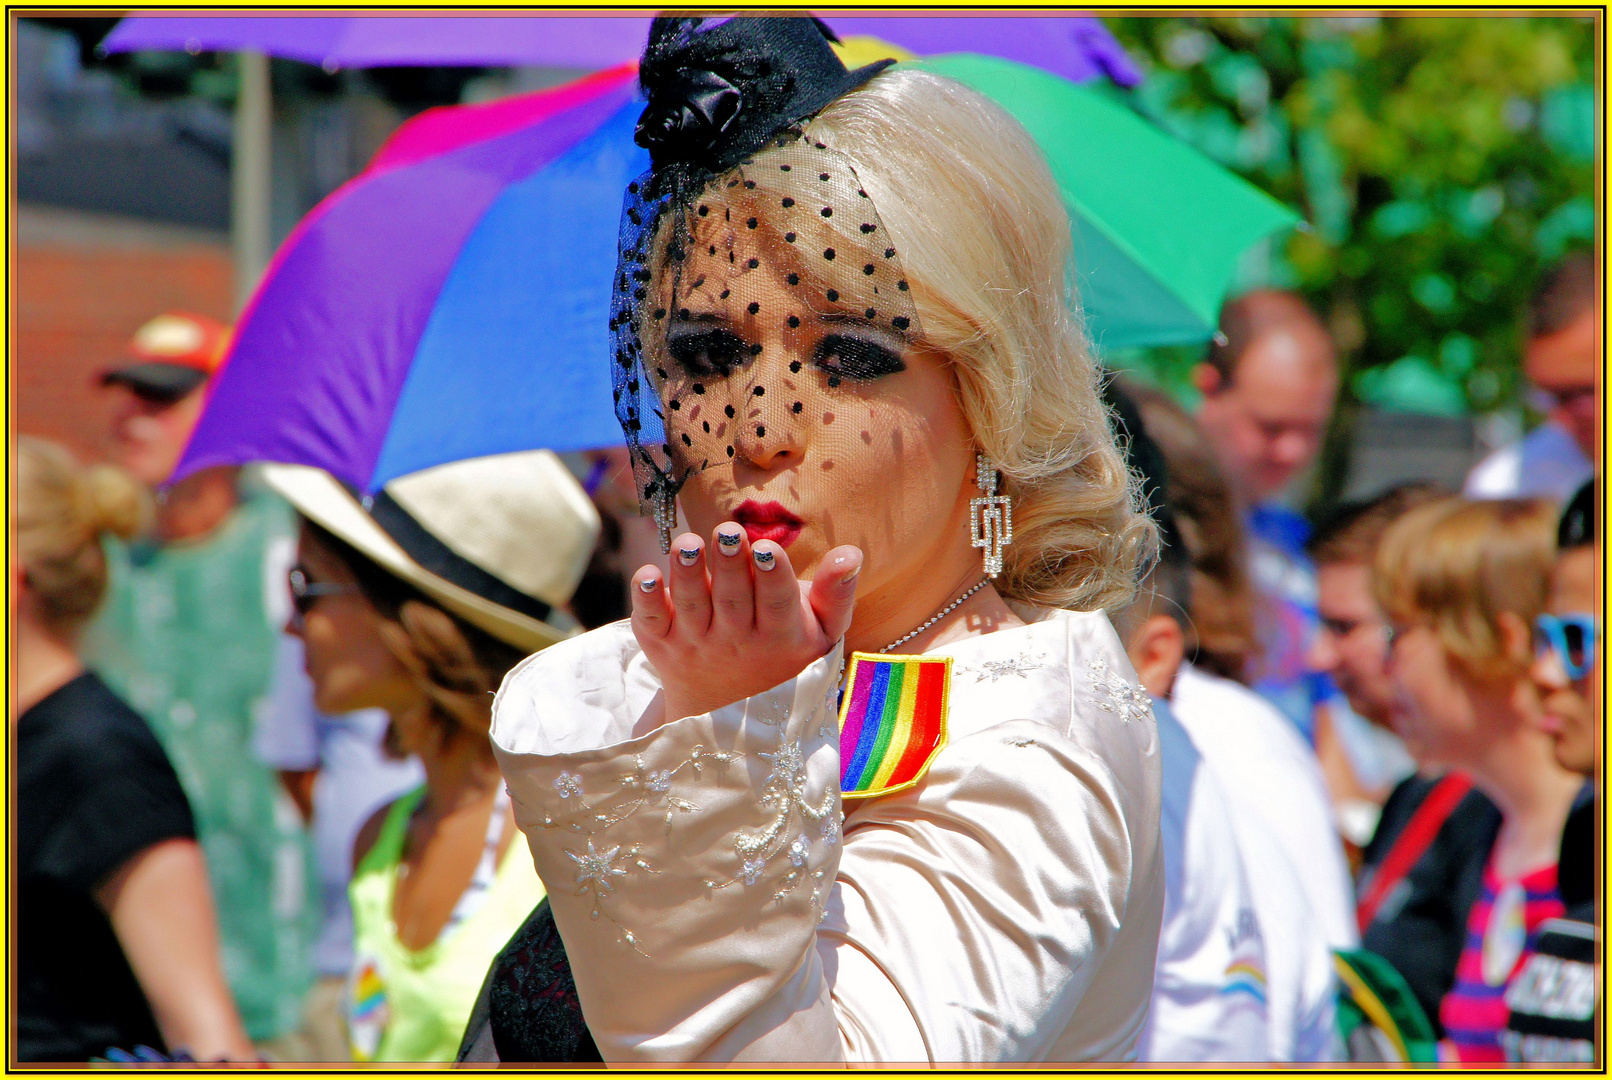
[(367, 1012), (892, 721), (1243, 977)]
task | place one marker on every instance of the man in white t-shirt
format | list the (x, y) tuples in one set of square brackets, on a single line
[(1210, 980), (1270, 784), (1283, 821), (1210, 985), (1562, 363)]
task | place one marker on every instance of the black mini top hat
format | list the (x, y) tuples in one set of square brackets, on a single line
[(719, 89)]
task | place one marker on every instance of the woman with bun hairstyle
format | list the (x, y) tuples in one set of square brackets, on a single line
[(117, 936), (417, 601), (867, 776), (1462, 583)]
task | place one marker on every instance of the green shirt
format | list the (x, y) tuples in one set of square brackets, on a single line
[(188, 637), (412, 1005)]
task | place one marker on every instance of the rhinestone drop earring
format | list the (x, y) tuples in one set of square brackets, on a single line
[(990, 518)]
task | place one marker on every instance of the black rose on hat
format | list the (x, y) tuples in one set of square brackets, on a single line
[(689, 114), (719, 89)]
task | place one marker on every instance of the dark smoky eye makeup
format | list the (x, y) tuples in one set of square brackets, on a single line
[(707, 351), (852, 356)]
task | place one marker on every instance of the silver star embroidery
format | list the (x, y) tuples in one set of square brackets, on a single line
[(595, 868), (568, 784), (831, 827), (1126, 700), (752, 870), (799, 850), (787, 761), (993, 670)]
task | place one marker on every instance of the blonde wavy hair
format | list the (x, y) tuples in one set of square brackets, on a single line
[(62, 511), (1457, 564), (985, 242)]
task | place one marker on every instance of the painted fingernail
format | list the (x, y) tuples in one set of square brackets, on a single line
[(765, 560), (728, 543), (649, 585), (688, 556)]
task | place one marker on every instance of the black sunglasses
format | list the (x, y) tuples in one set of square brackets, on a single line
[(305, 592)]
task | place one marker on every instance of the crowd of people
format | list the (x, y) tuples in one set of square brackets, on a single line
[(484, 766)]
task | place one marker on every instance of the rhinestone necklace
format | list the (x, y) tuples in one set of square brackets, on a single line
[(939, 615)]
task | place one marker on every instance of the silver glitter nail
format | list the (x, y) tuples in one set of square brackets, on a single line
[(648, 584), (729, 542), (688, 556), (765, 560)]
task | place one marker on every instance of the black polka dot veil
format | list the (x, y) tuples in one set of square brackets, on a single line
[(746, 306)]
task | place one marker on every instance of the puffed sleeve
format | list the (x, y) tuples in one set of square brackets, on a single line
[(716, 906)]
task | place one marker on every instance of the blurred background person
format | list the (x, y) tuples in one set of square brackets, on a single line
[(188, 637), (1422, 867), (338, 768), (1270, 778), (627, 538), (1269, 382), (1567, 640), (1349, 646), (1462, 583), (1210, 983), (117, 942), (1554, 997), (419, 606), (1561, 363)]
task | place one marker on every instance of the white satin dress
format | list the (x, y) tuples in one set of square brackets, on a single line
[(717, 906)]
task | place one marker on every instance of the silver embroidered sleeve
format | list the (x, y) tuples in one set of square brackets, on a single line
[(712, 822)]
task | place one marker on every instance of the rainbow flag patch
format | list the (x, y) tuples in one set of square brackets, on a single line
[(892, 721)]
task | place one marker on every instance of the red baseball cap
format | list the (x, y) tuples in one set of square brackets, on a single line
[(172, 355)]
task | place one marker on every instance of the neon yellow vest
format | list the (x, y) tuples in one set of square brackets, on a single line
[(405, 1005)]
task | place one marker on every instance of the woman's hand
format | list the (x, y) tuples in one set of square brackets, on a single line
[(733, 622)]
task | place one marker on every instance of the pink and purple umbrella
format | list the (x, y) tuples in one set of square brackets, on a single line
[(449, 302), (1077, 47)]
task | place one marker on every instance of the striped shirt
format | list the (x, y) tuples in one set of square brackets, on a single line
[(1501, 933)]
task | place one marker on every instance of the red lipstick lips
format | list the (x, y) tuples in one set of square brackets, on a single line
[(768, 521)]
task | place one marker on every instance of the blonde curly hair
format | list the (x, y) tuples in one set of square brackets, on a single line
[(985, 241)]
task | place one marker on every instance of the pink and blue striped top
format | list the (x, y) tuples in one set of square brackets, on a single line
[(1474, 1012)]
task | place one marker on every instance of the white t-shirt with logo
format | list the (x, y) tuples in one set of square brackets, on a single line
[(1209, 984), (1290, 849)]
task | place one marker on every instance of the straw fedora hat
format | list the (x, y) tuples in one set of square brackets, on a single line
[(500, 541)]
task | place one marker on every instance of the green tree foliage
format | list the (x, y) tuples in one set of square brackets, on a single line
[(1442, 164)]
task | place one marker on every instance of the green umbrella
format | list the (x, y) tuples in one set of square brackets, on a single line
[(1159, 228)]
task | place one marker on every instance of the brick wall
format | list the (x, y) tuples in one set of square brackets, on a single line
[(81, 285)]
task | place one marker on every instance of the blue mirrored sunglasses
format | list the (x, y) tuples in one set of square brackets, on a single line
[(1574, 638)]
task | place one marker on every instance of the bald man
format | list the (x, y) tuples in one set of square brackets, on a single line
[(1269, 382)]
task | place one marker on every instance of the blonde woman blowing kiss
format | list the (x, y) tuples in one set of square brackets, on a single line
[(867, 776)]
